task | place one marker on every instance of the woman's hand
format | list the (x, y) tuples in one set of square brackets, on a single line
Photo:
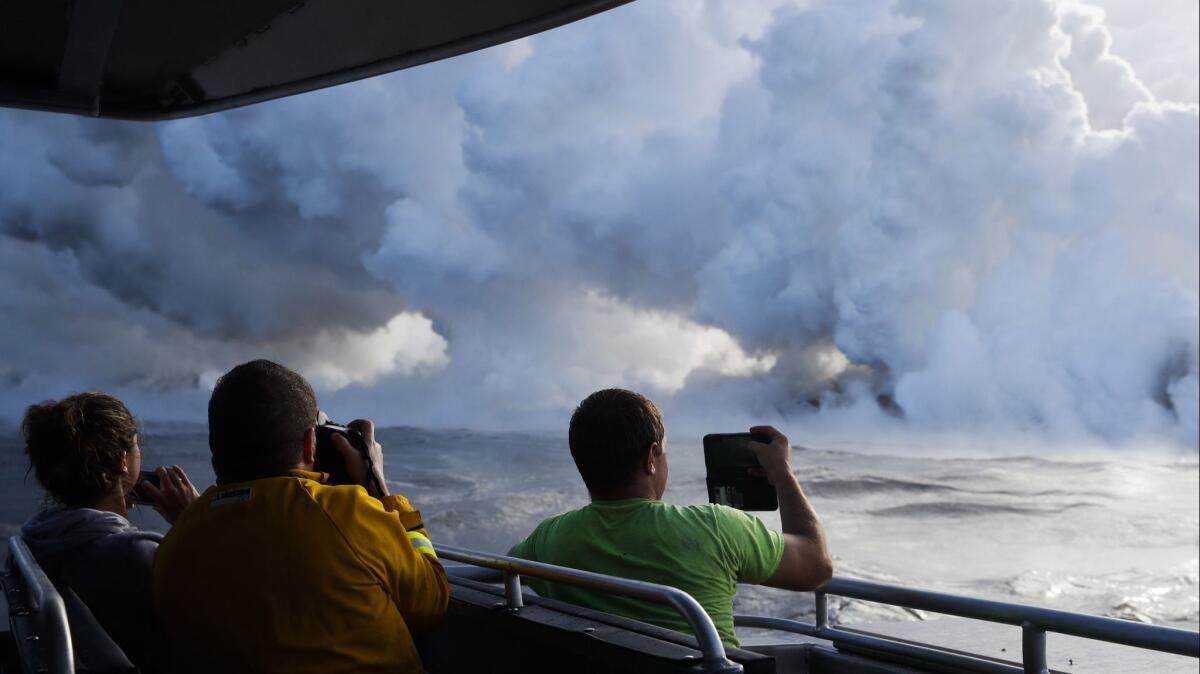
[(173, 494)]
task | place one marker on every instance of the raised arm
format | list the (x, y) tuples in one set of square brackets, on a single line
[(805, 564), (392, 536)]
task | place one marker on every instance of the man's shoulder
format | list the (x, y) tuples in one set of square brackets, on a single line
[(349, 494), (708, 514), (717, 520), (350, 508), (726, 514), (548, 529), (272, 489), (279, 499), (563, 520)]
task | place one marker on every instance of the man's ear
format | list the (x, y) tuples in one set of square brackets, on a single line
[(125, 463), (308, 457), (649, 464)]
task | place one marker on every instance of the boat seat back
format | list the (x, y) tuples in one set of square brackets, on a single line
[(95, 650), (41, 640), (481, 634)]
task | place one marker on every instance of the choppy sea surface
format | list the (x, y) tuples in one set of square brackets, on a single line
[(1114, 536)]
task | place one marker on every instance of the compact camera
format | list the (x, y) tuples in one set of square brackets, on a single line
[(139, 494)]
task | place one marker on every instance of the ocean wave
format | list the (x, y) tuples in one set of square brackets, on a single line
[(842, 487), (1133, 594), (870, 484), (1043, 493), (431, 480), (768, 601), (971, 509)]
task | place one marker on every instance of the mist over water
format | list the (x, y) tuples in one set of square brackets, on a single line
[(920, 216)]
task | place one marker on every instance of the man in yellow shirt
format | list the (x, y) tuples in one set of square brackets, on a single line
[(275, 570)]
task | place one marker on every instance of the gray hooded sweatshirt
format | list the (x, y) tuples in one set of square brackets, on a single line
[(109, 563)]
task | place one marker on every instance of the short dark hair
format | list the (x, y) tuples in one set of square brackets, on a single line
[(610, 431), (75, 445), (257, 418)]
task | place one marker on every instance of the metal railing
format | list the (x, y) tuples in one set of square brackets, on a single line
[(1034, 622), (51, 633), (714, 658)]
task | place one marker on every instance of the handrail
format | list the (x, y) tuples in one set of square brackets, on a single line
[(1034, 622), (47, 608), (713, 650), (1113, 630)]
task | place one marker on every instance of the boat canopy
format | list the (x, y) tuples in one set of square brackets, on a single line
[(150, 60)]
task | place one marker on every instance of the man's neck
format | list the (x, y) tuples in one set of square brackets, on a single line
[(640, 490)]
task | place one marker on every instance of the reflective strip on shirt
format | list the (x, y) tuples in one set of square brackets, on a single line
[(421, 543)]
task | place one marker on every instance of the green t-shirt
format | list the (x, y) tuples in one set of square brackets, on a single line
[(704, 550)]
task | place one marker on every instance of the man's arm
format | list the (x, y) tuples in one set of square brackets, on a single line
[(399, 542), (805, 564), (418, 582)]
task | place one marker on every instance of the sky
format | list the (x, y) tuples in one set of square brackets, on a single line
[(865, 216)]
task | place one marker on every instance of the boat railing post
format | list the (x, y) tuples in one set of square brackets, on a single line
[(822, 610), (1033, 649), (512, 591)]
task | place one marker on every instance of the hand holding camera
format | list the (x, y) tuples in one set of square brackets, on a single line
[(774, 453), (167, 488), (351, 455)]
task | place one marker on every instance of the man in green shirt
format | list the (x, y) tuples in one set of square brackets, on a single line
[(619, 445)]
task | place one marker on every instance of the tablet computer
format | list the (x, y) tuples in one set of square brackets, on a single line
[(728, 461)]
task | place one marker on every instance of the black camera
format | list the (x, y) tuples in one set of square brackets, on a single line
[(139, 494), (329, 460)]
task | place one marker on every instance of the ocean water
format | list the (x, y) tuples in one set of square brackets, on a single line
[(1117, 537)]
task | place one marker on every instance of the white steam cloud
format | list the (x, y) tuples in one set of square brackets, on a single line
[(950, 216)]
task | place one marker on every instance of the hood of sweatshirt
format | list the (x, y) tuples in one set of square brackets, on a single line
[(55, 532)]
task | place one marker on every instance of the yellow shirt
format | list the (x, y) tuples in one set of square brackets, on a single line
[(288, 574)]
